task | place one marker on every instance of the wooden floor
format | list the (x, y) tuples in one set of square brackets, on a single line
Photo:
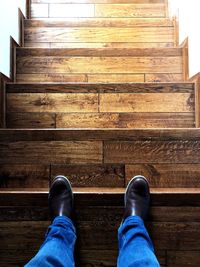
[(100, 94)]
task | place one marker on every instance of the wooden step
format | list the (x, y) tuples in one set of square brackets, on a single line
[(100, 32), (143, 105), (24, 219), (100, 157), (97, 64), (87, 10)]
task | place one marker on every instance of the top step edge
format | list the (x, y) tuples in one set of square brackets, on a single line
[(101, 191)]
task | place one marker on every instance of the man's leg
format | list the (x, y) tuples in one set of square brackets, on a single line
[(58, 247), (135, 246)]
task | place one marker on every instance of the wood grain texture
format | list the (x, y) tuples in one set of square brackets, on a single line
[(182, 136), (99, 52), (100, 22), (130, 10), (94, 65), (163, 77), (101, 88), (30, 120), (51, 152), (183, 258), (150, 152), (52, 102), (51, 77), (125, 120), (115, 78), (166, 175), (196, 80), (97, 45), (99, 34), (146, 102), (24, 176), (162, 234), (91, 175), (3, 80)]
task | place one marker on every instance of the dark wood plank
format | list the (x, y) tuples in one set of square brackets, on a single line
[(3, 80), (100, 88), (98, 52), (165, 235), (150, 152), (157, 213), (182, 136), (91, 175), (167, 197), (166, 175), (31, 120), (24, 176), (183, 258), (51, 152)]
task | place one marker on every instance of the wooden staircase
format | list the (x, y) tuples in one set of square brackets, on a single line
[(101, 96)]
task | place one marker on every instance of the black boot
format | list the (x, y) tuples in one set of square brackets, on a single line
[(137, 198), (60, 198)]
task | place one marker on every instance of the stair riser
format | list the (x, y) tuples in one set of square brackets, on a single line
[(108, 35), (98, 65), (152, 106), (166, 163)]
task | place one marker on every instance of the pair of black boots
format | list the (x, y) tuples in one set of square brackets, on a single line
[(137, 198)]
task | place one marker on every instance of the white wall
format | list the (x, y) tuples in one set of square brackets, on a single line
[(189, 21), (8, 27)]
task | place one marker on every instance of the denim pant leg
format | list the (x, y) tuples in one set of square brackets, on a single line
[(58, 247), (135, 246)]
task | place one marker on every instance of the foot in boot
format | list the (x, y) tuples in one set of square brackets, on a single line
[(60, 198), (137, 198)]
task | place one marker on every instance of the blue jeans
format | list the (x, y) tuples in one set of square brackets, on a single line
[(135, 246), (58, 247)]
